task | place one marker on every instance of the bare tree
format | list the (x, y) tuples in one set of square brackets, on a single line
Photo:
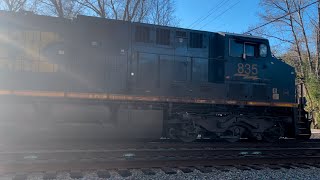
[(153, 11), (13, 5), (291, 29), (57, 4), (127, 10), (99, 7), (162, 12), (294, 34), (60, 8), (298, 32), (298, 6)]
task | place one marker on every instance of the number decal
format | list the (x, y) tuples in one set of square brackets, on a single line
[(254, 69), (240, 68), (248, 69)]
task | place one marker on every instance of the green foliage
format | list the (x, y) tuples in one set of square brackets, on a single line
[(313, 96)]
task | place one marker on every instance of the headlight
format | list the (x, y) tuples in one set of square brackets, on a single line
[(263, 50)]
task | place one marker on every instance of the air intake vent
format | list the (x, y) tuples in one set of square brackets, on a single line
[(181, 34), (163, 37), (142, 34), (196, 40)]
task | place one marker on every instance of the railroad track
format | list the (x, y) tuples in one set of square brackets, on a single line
[(69, 144), (167, 156)]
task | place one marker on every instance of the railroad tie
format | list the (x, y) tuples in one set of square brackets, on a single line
[(203, 169), (315, 165), (168, 170), (186, 169), (243, 167), (286, 166), (273, 166), (50, 175), (221, 168), (20, 177), (76, 174), (124, 172), (255, 167), (103, 174), (147, 171), (301, 165)]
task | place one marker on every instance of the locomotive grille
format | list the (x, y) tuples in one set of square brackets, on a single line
[(196, 40), (181, 34), (142, 34), (163, 37)]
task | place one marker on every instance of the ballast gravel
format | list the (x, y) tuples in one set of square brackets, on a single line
[(296, 173)]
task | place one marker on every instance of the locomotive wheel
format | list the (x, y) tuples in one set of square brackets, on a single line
[(172, 133), (188, 132), (272, 134), (233, 134)]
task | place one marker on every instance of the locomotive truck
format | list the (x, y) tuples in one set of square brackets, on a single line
[(136, 80)]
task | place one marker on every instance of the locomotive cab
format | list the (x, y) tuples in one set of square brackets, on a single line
[(252, 74), (247, 59)]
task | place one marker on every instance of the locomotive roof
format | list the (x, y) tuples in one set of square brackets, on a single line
[(241, 35)]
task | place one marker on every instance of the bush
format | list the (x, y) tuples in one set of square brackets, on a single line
[(313, 97)]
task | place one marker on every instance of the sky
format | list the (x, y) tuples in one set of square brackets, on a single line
[(235, 16)]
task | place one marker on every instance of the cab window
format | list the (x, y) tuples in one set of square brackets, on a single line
[(250, 50), (239, 48), (236, 48)]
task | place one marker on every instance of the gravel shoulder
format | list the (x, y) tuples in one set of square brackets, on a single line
[(315, 134)]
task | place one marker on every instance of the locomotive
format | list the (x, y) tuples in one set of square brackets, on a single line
[(136, 80)]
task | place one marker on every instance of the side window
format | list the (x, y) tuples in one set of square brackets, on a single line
[(236, 48), (263, 50), (250, 50)]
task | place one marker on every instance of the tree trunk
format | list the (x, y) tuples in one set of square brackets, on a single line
[(59, 7), (295, 38), (301, 24)]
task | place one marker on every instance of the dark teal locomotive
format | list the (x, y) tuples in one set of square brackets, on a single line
[(137, 80)]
